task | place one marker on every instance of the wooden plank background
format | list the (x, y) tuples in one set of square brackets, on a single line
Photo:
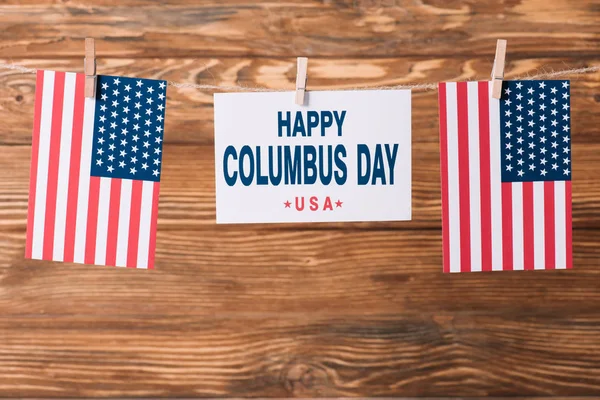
[(325, 310)]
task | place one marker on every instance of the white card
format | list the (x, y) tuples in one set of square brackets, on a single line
[(344, 156)]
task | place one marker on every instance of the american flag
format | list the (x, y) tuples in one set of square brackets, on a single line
[(506, 176), (95, 170)]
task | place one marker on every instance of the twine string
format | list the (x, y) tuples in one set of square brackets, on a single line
[(424, 87)]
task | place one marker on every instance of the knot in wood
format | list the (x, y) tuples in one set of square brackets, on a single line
[(304, 380)]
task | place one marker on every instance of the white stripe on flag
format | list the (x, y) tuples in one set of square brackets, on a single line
[(474, 174), (64, 167), (539, 246), (495, 182), (84, 180), (453, 189), (39, 215), (560, 224), (145, 222), (517, 209), (102, 227), (123, 228)]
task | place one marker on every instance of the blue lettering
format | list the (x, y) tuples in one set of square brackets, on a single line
[(313, 121), (260, 179), (378, 169), (283, 123), (391, 158), (299, 125), (326, 121), (310, 165), (292, 166), (246, 180), (229, 179), (275, 179), (339, 119), (363, 179), (342, 174), (325, 179)]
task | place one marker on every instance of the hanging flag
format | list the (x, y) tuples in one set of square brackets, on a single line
[(95, 170), (506, 176)]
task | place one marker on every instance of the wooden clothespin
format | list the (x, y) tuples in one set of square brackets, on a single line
[(301, 78), (89, 67), (498, 69)]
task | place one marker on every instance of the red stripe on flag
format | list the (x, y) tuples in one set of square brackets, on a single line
[(569, 223), (528, 240), (463, 177), (153, 221), (55, 136), (444, 175), (113, 222), (485, 177), (72, 195), (92, 220), (549, 224), (134, 223), (35, 146), (507, 225)]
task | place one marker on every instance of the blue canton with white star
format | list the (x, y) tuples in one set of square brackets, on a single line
[(128, 128), (536, 131)]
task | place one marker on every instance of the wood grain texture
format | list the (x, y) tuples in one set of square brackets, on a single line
[(187, 197), (304, 273), (190, 112), (122, 355), (340, 28), (279, 311)]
